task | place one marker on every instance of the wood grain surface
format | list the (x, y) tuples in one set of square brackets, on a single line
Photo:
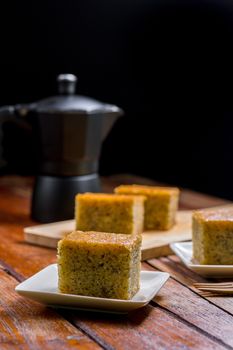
[(28, 324), (178, 318)]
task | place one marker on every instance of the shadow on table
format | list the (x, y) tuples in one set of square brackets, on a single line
[(135, 317)]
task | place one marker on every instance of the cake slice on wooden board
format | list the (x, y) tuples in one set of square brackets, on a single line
[(212, 234), (99, 264), (109, 213), (160, 205)]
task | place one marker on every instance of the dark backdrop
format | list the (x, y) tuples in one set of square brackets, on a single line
[(168, 64)]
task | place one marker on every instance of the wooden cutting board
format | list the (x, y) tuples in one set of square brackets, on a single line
[(154, 243)]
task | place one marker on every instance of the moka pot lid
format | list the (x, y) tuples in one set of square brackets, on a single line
[(69, 103)]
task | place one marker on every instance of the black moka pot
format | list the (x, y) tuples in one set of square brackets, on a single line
[(68, 131)]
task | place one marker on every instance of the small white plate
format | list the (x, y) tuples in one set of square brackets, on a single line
[(184, 251), (43, 287)]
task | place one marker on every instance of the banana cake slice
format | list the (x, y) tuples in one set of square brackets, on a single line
[(212, 232), (160, 205), (99, 264), (109, 213)]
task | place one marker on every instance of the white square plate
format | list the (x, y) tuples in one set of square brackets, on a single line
[(184, 251), (43, 287)]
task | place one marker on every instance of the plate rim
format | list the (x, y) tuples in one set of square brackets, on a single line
[(177, 251), (23, 291)]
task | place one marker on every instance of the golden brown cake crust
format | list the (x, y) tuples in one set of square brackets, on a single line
[(100, 238), (146, 190), (111, 197), (214, 215)]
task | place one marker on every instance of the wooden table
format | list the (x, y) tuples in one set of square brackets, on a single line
[(178, 318)]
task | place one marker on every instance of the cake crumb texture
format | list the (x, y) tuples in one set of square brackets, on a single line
[(99, 264)]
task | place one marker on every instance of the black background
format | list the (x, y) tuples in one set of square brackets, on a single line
[(168, 64)]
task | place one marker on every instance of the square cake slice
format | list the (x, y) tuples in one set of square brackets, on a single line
[(212, 232), (99, 264), (109, 213), (160, 205)]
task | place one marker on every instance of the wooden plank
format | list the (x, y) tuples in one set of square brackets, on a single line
[(180, 273), (188, 305), (147, 328), (28, 325), (48, 235), (154, 243)]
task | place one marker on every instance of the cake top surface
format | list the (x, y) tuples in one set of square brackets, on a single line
[(147, 190), (110, 197), (214, 214), (102, 238)]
